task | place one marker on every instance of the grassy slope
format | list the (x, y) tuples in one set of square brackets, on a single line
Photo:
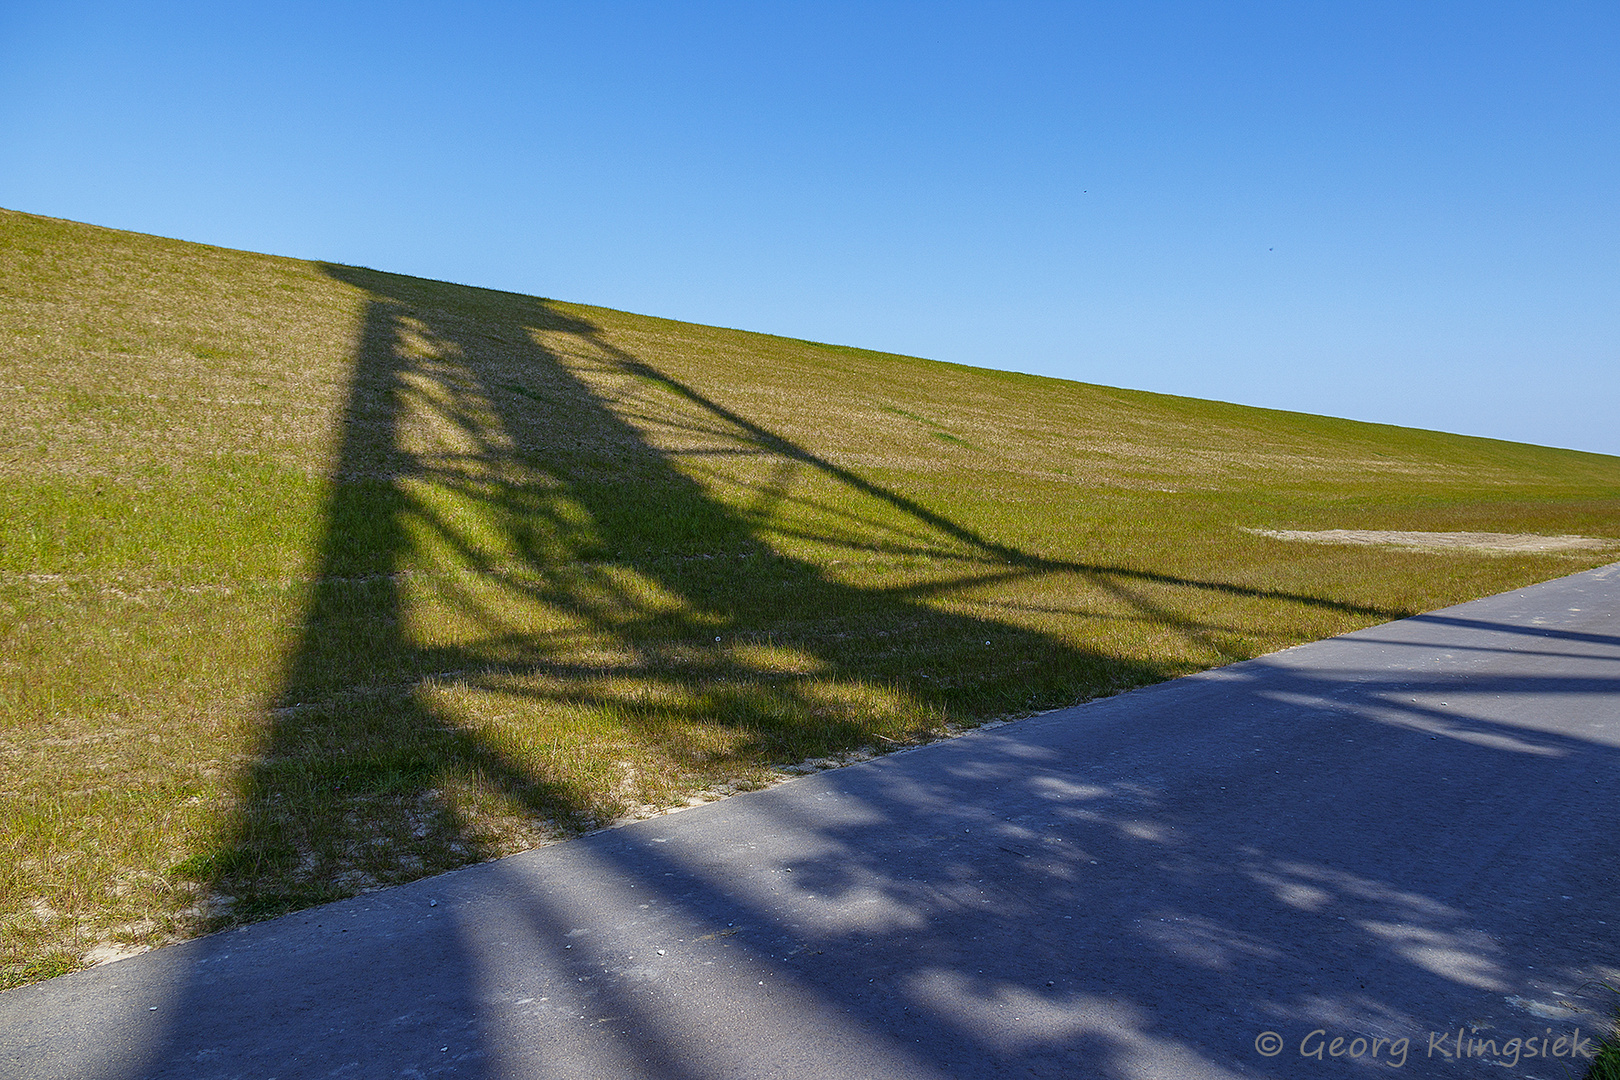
[(314, 578)]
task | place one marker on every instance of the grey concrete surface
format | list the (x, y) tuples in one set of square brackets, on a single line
[(1392, 834)]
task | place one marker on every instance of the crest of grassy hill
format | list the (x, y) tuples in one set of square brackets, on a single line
[(316, 578)]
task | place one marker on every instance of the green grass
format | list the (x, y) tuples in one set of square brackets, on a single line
[(315, 578), (1606, 1064)]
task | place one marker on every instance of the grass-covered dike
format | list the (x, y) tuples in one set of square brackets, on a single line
[(315, 578)]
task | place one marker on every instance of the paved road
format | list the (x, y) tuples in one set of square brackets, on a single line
[(1387, 835)]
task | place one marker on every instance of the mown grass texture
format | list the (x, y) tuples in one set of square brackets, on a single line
[(315, 578)]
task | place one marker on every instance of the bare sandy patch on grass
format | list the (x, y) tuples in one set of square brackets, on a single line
[(110, 954), (1503, 543)]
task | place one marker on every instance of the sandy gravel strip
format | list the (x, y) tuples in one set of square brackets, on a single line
[(1505, 543)]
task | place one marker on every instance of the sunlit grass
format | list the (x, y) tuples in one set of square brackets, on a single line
[(314, 579)]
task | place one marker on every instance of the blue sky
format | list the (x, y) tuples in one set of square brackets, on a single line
[(1405, 212)]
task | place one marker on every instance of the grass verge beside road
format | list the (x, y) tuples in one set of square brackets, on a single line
[(316, 578)]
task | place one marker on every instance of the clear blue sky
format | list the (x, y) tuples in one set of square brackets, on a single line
[(1407, 212)]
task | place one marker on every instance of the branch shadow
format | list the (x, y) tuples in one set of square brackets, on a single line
[(508, 524), (508, 530), (1071, 899), (516, 523)]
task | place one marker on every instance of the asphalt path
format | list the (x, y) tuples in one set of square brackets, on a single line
[(1399, 834)]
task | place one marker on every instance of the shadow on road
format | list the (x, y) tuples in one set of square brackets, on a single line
[(509, 529)]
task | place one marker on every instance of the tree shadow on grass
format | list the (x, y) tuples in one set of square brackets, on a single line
[(1355, 843), (529, 613), (517, 599)]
